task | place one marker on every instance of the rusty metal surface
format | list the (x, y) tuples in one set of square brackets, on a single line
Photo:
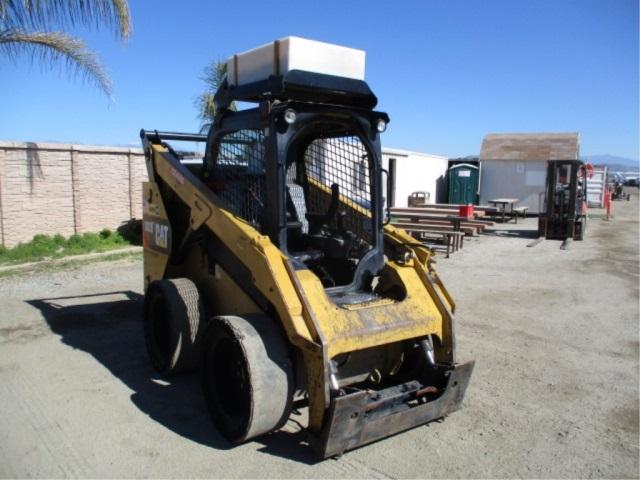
[(363, 417)]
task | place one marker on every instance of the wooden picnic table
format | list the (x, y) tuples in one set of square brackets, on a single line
[(452, 240), (454, 219), (501, 204), (436, 225), (431, 210), (456, 206)]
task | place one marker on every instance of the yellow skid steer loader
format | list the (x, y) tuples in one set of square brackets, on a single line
[(270, 267)]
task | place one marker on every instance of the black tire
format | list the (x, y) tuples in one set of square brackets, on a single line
[(582, 227), (173, 315), (247, 376)]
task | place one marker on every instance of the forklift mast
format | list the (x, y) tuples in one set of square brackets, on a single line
[(564, 212)]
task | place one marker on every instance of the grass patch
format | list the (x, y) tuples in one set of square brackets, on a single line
[(71, 263), (47, 247)]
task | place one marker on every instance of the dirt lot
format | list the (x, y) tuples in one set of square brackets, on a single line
[(554, 394)]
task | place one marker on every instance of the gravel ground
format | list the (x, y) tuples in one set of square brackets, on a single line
[(554, 393)]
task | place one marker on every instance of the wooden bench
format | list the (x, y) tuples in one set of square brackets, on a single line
[(484, 209), (434, 211), (456, 222), (519, 212), (435, 225), (452, 241)]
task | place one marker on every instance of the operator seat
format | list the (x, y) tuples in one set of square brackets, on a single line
[(297, 204)]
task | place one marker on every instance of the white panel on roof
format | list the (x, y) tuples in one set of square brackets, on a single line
[(294, 53)]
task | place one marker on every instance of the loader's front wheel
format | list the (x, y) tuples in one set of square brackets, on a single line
[(173, 313), (247, 376)]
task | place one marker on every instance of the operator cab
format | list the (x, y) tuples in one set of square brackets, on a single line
[(330, 208), (304, 168)]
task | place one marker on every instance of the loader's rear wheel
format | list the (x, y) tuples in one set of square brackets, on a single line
[(247, 376), (172, 316)]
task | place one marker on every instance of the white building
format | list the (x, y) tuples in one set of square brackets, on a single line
[(514, 165), (414, 172)]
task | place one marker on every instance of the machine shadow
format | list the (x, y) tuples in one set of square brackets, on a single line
[(108, 326), (289, 445), (525, 233)]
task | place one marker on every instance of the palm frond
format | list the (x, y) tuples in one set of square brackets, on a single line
[(55, 46), (213, 76), (51, 14), (206, 106)]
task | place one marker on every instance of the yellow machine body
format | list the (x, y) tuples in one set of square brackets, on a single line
[(313, 323), (279, 233)]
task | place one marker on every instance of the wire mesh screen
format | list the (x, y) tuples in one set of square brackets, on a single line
[(295, 195), (343, 161), (239, 174)]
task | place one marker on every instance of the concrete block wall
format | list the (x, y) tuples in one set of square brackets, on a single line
[(54, 188)]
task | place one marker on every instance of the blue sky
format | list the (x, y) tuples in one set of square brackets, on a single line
[(446, 71)]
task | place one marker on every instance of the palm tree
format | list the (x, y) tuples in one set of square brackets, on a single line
[(213, 75), (30, 26)]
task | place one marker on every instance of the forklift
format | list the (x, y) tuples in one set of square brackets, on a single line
[(564, 215)]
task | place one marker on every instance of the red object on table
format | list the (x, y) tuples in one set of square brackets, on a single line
[(466, 210)]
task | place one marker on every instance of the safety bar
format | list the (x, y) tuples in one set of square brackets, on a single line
[(186, 137)]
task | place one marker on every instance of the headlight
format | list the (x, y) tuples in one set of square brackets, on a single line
[(381, 125), (290, 116)]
